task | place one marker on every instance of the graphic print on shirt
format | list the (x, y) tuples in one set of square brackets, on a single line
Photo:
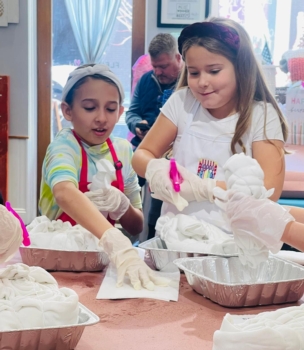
[(206, 169)]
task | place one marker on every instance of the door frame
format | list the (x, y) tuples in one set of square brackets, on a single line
[(44, 82)]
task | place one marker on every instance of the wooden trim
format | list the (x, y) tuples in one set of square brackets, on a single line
[(138, 29), (44, 58), (18, 137), (4, 122)]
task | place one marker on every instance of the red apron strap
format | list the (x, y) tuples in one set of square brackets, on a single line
[(119, 183), (84, 168), (83, 181), (117, 165)]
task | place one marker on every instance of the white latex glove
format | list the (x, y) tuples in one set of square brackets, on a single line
[(157, 174), (10, 234), (244, 174), (192, 188), (110, 200), (127, 261), (262, 219)]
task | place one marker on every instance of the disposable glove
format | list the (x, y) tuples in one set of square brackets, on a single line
[(192, 188), (10, 234), (127, 261), (110, 200), (157, 174), (262, 219)]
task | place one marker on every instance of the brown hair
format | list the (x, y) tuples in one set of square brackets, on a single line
[(251, 85)]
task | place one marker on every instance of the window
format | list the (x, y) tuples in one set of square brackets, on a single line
[(279, 22), (67, 56)]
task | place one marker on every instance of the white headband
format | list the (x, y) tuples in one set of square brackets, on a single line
[(80, 73)]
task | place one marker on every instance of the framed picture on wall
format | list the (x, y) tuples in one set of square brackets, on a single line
[(180, 13), (9, 12)]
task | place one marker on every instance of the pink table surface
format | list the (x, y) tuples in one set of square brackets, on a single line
[(133, 324)]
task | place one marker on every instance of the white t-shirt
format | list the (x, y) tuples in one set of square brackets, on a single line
[(181, 104), (205, 145)]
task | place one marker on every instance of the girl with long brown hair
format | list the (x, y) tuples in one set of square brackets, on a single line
[(222, 106)]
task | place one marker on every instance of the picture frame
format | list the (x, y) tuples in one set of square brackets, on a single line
[(3, 13), (9, 12), (180, 13)]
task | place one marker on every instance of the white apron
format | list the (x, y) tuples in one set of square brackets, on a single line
[(195, 152)]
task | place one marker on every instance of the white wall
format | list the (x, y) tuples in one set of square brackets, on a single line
[(151, 21), (151, 24), (18, 60)]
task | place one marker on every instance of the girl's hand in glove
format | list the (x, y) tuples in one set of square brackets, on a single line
[(261, 218), (157, 174), (192, 187), (110, 200), (127, 261)]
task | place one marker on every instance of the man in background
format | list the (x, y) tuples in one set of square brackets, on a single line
[(151, 92)]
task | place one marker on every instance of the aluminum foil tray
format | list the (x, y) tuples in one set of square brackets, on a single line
[(229, 283), (51, 338), (161, 257), (63, 260)]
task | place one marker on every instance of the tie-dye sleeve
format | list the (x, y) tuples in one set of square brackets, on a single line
[(62, 163)]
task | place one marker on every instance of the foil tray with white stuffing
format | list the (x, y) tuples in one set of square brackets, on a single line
[(227, 282), (49, 338), (161, 257), (64, 260)]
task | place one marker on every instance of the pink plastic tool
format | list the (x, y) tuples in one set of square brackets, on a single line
[(26, 239), (175, 175)]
